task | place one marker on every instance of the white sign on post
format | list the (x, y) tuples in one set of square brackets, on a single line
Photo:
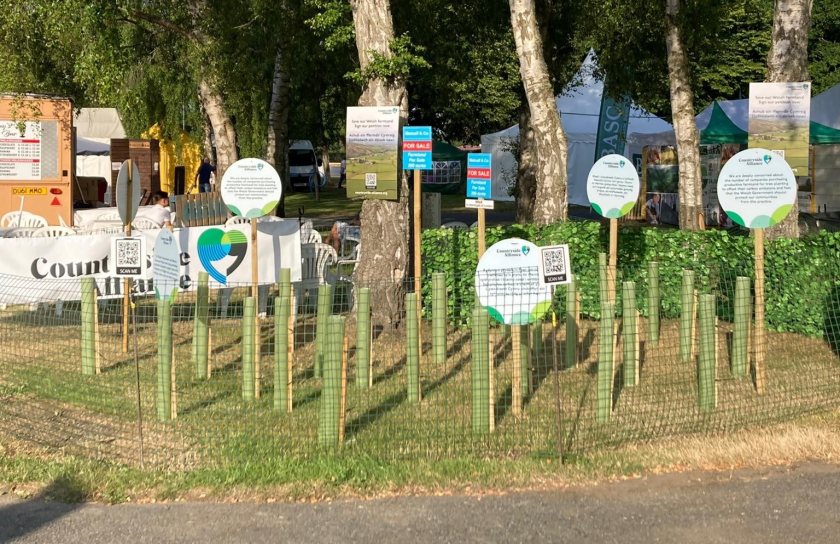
[(166, 265), (128, 254), (555, 266), (613, 186), (756, 188), (251, 188), (126, 215), (507, 281)]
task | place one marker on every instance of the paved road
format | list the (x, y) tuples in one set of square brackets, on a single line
[(768, 506)]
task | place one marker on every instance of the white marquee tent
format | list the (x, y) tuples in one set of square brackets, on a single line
[(94, 129), (579, 106)]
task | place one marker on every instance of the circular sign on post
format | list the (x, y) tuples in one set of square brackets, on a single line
[(613, 186), (756, 188), (507, 281), (166, 265), (127, 215), (251, 188)]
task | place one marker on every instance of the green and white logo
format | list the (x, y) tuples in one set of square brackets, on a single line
[(507, 281), (756, 189), (251, 188), (612, 186)]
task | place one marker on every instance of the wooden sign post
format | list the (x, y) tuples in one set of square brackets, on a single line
[(252, 188), (612, 188), (480, 191), (769, 197), (417, 156), (128, 201)]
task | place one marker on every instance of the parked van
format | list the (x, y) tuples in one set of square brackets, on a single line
[(304, 166)]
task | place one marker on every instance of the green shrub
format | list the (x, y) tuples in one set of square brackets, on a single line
[(802, 276)]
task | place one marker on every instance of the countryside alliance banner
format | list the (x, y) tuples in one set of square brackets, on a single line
[(48, 269), (779, 120)]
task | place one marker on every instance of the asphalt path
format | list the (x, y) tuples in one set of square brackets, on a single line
[(764, 506)]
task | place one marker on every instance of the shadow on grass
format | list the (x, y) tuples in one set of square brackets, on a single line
[(503, 404), (196, 406), (303, 401), (373, 415)]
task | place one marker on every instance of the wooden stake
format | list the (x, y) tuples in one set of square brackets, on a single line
[(611, 270), (760, 333), (342, 414), (516, 340), (418, 263), (255, 278), (481, 228), (129, 206)]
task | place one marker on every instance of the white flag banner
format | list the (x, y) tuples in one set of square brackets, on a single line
[(48, 269)]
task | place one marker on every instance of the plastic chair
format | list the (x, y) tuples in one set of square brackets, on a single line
[(23, 232), (237, 220), (53, 231), (454, 225), (313, 238), (316, 260), (22, 219), (142, 223)]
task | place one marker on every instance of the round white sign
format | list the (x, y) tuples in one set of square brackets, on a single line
[(613, 186), (507, 282), (756, 188), (251, 188), (166, 265)]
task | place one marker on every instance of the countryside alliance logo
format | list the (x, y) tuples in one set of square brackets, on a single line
[(526, 250), (767, 159), (215, 245)]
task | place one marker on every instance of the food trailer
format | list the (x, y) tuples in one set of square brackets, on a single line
[(36, 156)]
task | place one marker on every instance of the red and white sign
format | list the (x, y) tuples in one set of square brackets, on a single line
[(417, 146), (20, 154), (479, 173)]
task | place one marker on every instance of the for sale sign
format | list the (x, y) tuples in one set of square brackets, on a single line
[(479, 175), (417, 148)]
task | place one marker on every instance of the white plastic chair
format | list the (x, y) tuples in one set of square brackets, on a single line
[(22, 219), (455, 225), (316, 260), (53, 231), (312, 238), (143, 223), (237, 220), (23, 232)]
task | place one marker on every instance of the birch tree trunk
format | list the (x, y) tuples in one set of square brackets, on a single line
[(526, 179), (277, 138), (788, 62), (685, 128), (551, 197), (384, 255), (223, 131)]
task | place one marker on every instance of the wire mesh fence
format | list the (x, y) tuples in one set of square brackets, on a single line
[(224, 376)]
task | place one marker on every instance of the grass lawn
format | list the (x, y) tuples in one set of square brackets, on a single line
[(57, 425), (333, 203)]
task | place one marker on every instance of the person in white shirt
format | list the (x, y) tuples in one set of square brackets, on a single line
[(159, 212)]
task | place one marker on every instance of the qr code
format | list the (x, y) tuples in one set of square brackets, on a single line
[(555, 264), (128, 253), (370, 180)]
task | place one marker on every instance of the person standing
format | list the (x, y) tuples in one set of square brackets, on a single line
[(205, 171)]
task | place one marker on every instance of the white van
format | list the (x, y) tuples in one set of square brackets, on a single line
[(304, 171)]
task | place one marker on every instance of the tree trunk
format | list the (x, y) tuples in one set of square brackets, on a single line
[(526, 179), (277, 138), (223, 131), (788, 62), (550, 203), (384, 254), (685, 128)]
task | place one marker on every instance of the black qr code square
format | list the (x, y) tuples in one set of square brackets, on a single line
[(128, 253), (554, 265)]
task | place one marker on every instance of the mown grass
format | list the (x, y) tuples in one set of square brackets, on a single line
[(85, 426)]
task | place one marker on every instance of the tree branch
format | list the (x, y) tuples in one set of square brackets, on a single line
[(168, 25)]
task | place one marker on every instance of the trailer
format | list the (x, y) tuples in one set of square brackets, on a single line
[(37, 160)]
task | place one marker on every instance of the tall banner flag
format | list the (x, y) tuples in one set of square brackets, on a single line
[(612, 126)]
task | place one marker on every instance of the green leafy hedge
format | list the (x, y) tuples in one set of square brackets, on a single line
[(802, 276)]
